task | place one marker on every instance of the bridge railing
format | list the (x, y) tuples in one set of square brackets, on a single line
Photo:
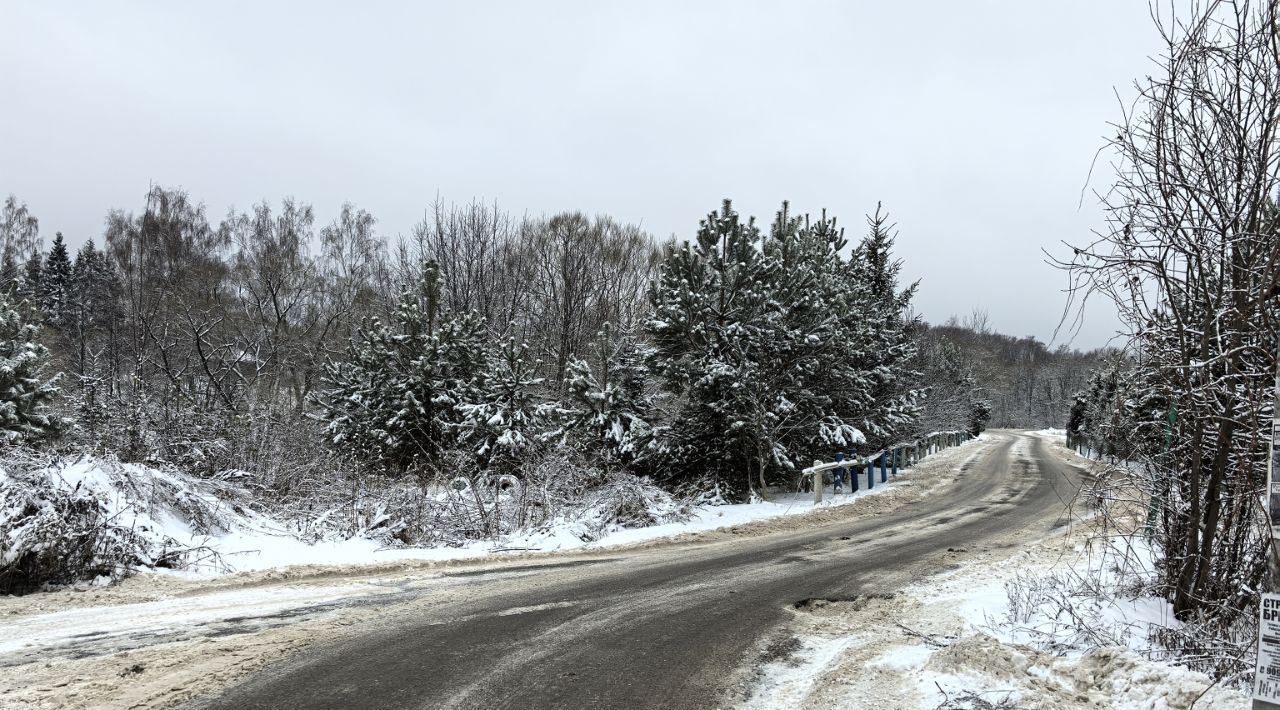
[(901, 455)]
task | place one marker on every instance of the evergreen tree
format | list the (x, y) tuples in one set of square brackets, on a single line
[(94, 313), (394, 402), (711, 307), (30, 286), (979, 415), (24, 391), (10, 276), (54, 292), (757, 338), (608, 405), (509, 417), (887, 358)]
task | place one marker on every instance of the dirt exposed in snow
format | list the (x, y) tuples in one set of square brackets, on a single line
[(183, 638)]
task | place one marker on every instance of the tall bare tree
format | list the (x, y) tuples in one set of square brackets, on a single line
[(1189, 257)]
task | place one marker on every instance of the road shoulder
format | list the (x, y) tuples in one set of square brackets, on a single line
[(961, 639)]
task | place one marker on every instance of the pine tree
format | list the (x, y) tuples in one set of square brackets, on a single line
[(778, 349), (711, 307), (93, 312), (608, 405), (509, 416), (54, 292), (979, 415), (394, 402), (895, 404), (24, 391)]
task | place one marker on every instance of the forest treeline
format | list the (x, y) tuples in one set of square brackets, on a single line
[(1026, 383), (480, 340)]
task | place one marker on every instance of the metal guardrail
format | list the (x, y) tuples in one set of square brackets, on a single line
[(901, 455)]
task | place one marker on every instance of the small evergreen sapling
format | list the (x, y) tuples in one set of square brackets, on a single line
[(395, 401), (509, 417), (608, 405)]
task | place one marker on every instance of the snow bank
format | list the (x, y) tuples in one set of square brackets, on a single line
[(1055, 433), (1061, 622), (190, 526)]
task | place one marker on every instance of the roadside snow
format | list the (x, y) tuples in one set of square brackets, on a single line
[(1011, 624), (216, 521)]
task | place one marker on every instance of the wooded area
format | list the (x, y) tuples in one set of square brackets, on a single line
[(243, 343)]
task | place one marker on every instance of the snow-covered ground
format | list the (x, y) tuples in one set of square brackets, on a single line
[(230, 536), (957, 642)]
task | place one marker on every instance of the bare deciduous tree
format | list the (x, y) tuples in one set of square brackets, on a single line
[(1189, 257)]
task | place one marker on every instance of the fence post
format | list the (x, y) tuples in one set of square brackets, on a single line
[(871, 474), (839, 482), (853, 474), (1271, 580), (817, 484), (884, 470), (895, 462)]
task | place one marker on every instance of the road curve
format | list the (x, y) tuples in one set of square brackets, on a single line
[(662, 628)]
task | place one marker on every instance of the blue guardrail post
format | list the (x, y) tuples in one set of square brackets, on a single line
[(895, 463), (884, 469), (853, 476), (839, 482), (871, 474)]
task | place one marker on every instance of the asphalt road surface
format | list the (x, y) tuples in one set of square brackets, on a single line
[(659, 628)]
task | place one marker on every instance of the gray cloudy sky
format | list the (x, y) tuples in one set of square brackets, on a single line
[(974, 122)]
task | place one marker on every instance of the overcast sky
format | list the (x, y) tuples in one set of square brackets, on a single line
[(974, 122)]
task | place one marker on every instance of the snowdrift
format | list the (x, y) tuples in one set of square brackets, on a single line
[(94, 520)]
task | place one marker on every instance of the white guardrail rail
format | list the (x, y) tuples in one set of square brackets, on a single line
[(900, 455)]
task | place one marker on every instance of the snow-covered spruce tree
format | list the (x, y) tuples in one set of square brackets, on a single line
[(29, 286), (979, 415), (394, 402), (891, 348), (509, 416), (767, 344), (54, 292), (25, 392), (608, 407)]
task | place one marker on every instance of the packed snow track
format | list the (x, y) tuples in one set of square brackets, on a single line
[(672, 627)]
